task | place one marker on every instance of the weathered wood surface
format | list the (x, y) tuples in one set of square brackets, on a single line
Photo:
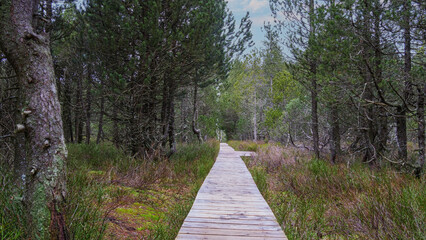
[(229, 205)]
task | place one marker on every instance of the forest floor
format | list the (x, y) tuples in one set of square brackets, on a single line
[(314, 199), (123, 198)]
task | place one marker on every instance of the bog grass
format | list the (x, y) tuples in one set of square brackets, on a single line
[(113, 196), (314, 199)]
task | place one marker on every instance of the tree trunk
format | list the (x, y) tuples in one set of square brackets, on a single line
[(335, 133), (20, 158), (195, 115), (314, 106), (88, 105), (165, 112), (115, 129), (421, 128), (400, 118), (78, 116), (29, 53), (381, 113), (255, 116), (368, 128), (172, 139), (68, 129), (401, 132), (314, 93), (101, 116)]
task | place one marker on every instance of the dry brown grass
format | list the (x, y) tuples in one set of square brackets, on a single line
[(314, 199)]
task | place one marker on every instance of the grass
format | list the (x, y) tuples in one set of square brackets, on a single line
[(12, 224), (113, 196), (243, 145), (314, 199)]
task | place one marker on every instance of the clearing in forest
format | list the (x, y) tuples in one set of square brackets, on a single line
[(229, 205)]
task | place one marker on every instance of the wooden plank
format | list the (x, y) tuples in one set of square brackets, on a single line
[(219, 237), (232, 216), (233, 232), (231, 221), (231, 212), (229, 205), (231, 226)]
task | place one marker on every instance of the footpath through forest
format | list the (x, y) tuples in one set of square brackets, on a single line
[(229, 204)]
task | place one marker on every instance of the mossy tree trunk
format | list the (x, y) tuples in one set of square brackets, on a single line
[(27, 47)]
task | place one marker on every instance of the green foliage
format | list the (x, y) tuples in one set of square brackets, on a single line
[(95, 156), (285, 87), (272, 117)]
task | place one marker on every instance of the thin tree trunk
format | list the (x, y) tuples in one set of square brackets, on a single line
[(172, 139), (88, 105), (68, 129), (115, 129), (29, 54), (255, 117), (381, 112), (367, 125), (421, 128), (314, 103), (195, 114), (314, 93), (78, 117), (165, 112), (400, 118), (335, 148), (101, 116)]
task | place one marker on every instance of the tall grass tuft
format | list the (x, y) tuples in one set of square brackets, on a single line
[(12, 215), (244, 145)]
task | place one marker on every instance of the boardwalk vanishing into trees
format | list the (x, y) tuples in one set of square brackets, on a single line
[(229, 205)]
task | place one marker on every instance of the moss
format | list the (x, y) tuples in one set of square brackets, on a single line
[(115, 190), (145, 215), (40, 212), (96, 173)]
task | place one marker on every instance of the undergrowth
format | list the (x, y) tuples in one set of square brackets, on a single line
[(12, 222), (314, 199), (247, 145), (113, 196)]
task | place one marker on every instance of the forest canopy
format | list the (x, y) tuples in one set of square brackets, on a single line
[(341, 79)]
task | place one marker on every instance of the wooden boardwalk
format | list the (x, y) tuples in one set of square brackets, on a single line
[(229, 205)]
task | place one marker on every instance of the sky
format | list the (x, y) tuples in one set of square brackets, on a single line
[(259, 13)]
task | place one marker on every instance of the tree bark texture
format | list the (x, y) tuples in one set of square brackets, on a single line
[(88, 105), (78, 121), (29, 53), (335, 148), (401, 121), (101, 116), (172, 139), (314, 90), (67, 111), (196, 130), (421, 128)]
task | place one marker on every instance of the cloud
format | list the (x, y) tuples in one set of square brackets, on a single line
[(248, 5), (255, 5), (259, 20)]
